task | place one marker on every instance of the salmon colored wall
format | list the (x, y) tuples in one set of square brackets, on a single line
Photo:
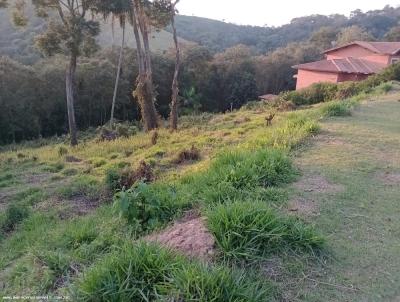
[(383, 59), (350, 51), (306, 77)]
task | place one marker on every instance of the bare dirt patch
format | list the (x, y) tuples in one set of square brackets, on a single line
[(306, 207), (390, 179), (317, 184), (189, 237), (68, 208)]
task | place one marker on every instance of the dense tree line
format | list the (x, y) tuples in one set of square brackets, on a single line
[(33, 97)]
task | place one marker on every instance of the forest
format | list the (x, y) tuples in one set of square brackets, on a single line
[(223, 66)]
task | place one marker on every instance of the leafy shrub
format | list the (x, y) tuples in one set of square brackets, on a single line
[(15, 214), (244, 230), (148, 273), (126, 130), (347, 90), (186, 155), (316, 93), (148, 206)]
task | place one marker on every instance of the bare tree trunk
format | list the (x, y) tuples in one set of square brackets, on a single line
[(144, 88), (121, 54), (175, 83), (70, 91)]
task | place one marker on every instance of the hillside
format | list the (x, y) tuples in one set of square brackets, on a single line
[(233, 184), (217, 35), (17, 43)]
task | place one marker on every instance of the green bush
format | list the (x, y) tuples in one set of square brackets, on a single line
[(148, 273), (14, 215), (62, 151), (245, 230), (316, 93), (148, 207)]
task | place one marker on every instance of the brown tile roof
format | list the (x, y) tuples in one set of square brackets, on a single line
[(347, 65), (383, 48)]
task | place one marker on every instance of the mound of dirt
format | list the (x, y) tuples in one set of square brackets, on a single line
[(318, 184), (189, 237)]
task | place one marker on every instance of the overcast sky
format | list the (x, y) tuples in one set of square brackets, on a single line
[(274, 12)]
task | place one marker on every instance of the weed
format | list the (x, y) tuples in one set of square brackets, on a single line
[(53, 167), (70, 172)]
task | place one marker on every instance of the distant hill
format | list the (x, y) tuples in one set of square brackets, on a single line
[(18, 42), (217, 35)]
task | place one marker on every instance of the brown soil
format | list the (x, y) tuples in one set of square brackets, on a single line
[(390, 179), (304, 207), (318, 184), (189, 237)]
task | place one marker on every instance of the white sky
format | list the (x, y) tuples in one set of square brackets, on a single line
[(274, 12)]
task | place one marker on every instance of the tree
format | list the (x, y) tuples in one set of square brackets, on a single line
[(68, 32), (324, 38), (353, 33), (118, 9), (393, 35), (175, 82)]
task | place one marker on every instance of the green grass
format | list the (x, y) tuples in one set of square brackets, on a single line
[(149, 273), (54, 249), (250, 229)]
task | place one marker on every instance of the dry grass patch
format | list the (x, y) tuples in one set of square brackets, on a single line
[(317, 184)]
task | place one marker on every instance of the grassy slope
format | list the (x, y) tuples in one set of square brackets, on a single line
[(52, 245), (361, 222)]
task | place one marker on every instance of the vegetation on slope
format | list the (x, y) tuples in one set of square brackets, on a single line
[(70, 233)]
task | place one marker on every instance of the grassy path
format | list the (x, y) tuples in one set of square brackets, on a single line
[(360, 157)]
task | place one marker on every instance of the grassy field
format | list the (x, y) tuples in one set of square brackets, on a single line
[(295, 216), (361, 156)]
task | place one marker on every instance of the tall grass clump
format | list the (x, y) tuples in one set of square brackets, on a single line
[(250, 229), (251, 168), (148, 273), (338, 108)]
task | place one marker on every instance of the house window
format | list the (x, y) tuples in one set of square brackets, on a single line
[(395, 60)]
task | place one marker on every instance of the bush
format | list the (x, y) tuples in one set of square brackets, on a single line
[(148, 273), (316, 93), (125, 130), (15, 214), (148, 207), (245, 230)]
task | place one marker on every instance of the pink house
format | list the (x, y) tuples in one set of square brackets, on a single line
[(351, 62)]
